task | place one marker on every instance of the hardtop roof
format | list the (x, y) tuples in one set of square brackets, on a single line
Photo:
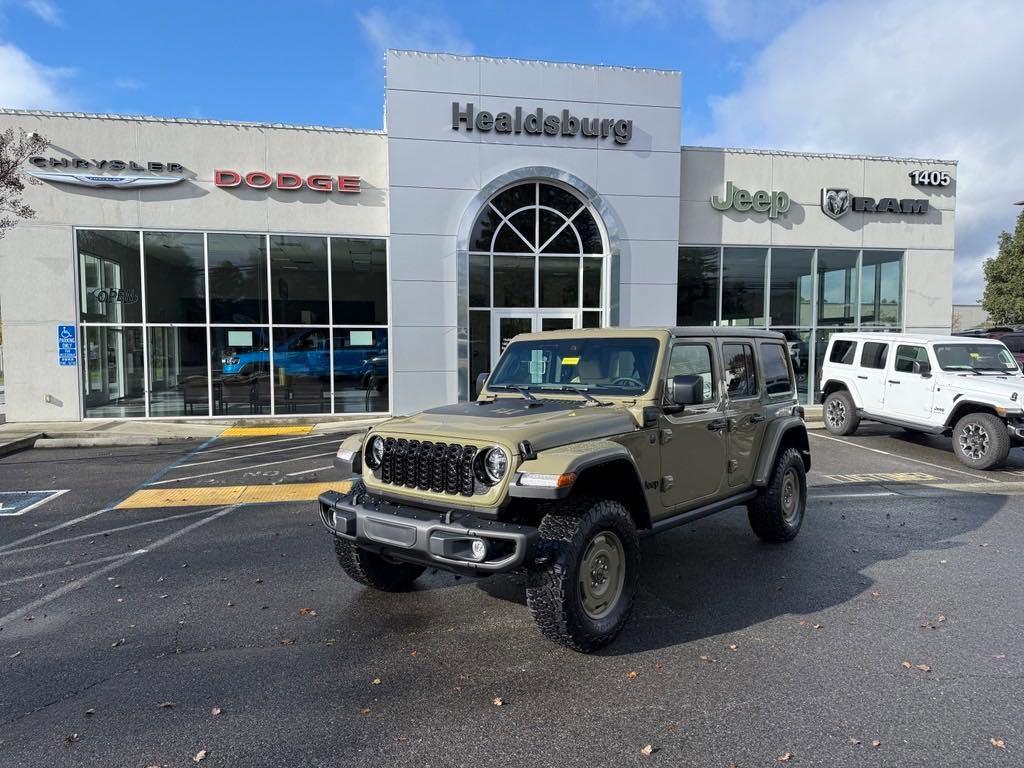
[(691, 331), (913, 338)]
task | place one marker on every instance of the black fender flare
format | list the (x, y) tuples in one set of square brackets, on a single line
[(791, 427)]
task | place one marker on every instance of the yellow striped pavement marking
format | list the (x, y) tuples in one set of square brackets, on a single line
[(265, 431), (150, 498)]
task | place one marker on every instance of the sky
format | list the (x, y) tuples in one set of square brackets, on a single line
[(941, 79)]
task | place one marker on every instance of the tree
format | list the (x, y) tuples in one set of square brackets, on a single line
[(16, 147), (1004, 279)]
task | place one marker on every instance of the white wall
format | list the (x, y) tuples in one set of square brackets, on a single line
[(435, 173), (37, 259)]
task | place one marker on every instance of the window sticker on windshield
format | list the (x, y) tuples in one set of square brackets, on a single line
[(570, 361)]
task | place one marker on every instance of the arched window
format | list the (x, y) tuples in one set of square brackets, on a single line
[(536, 263)]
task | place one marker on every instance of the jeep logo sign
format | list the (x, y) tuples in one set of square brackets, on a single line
[(774, 203), (838, 202)]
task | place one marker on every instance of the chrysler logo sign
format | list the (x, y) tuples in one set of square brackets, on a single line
[(536, 122), (100, 180), (838, 202), (81, 172)]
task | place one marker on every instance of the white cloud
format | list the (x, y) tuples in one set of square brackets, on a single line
[(749, 19), (417, 31), (940, 79), (45, 10), (128, 84), (27, 84)]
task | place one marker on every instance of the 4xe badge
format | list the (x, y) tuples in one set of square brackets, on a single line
[(838, 202)]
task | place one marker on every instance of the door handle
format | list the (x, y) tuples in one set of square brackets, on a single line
[(863, 377), (893, 381), (756, 418), (717, 425)]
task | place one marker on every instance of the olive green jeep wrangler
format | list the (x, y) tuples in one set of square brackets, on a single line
[(579, 443)]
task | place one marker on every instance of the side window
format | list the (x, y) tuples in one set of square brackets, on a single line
[(907, 355), (1014, 343), (740, 375), (693, 360), (843, 352), (874, 355), (777, 377)]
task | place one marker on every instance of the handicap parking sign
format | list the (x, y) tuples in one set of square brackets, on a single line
[(20, 502), (67, 345)]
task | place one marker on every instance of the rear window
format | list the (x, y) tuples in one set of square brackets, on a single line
[(1014, 343), (777, 378), (874, 354), (843, 352)]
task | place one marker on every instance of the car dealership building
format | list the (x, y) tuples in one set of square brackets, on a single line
[(195, 268)]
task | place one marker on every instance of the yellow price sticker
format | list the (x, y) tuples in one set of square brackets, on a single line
[(570, 361)]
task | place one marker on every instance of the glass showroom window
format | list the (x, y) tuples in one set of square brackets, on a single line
[(536, 262), (231, 324)]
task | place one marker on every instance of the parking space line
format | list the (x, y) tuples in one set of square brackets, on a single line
[(105, 532), (243, 446), (258, 453), (51, 495), (44, 574), (123, 560), (51, 529), (307, 471), (238, 469), (230, 494), (902, 458)]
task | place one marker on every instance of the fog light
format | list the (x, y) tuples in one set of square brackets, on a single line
[(479, 549)]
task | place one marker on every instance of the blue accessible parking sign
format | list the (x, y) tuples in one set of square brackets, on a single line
[(67, 345)]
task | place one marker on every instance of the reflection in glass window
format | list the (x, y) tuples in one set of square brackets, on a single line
[(697, 293), (360, 370), (112, 364), (559, 282), (881, 288), (479, 280), (790, 287), (302, 370), (799, 344), (513, 281), (777, 379), (178, 381), (479, 347), (693, 360), (743, 286), (238, 278), (359, 280), (298, 279), (740, 374), (837, 287), (592, 283), (240, 362), (175, 277), (110, 276)]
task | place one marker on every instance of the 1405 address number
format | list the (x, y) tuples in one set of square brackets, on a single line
[(930, 178)]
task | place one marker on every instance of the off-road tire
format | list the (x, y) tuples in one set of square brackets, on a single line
[(839, 413), (372, 570), (771, 518), (553, 591), (995, 448)]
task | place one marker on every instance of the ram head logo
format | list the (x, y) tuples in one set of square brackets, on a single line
[(835, 202)]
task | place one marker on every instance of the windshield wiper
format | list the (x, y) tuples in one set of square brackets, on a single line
[(567, 388), (521, 390)]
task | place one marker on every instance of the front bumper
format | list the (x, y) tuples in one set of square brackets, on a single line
[(413, 534)]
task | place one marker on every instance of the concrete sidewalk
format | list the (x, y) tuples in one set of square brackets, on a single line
[(126, 432)]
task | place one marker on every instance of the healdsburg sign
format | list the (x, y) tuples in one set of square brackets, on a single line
[(520, 121)]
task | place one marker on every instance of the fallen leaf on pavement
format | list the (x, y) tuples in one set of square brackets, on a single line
[(876, 594), (14, 655), (412, 653), (117, 643), (364, 711), (785, 757), (646, 750), (199, 756), (708, 659), (817, 626), (307, 612), (940, 618), (71, 738), (90, 712), (166, 705), (855, 742), (906, 664), (732, 647), (923, 667), (631, 675), (288, 641), (997, 743), (376, 681), (216, 711), (657, 665), (876, 743), (498, 702)]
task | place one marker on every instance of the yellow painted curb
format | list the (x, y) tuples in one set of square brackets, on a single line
[(149, 498), (265, 431)]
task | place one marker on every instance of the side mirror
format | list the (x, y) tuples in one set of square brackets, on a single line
[(686, 390), (480, 381), (922, 369)]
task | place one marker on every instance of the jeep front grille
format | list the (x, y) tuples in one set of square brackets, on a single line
[(439, 467)]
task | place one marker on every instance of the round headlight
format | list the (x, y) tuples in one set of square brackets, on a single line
[(375, 452), (495, 465)]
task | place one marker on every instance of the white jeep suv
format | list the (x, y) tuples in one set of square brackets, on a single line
[(971, 389)]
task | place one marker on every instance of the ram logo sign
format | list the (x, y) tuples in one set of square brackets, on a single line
[(839, 202)]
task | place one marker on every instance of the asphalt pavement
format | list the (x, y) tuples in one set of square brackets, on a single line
[(138, 635)]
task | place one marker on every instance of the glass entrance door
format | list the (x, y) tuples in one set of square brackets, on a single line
[(505, 326)]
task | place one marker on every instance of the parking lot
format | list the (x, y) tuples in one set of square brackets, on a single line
[(181, 600)]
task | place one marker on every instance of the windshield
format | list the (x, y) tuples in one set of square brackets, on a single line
[(611, 366), (975, 357)]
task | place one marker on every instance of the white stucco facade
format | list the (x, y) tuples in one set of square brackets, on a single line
[(422, 184)]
